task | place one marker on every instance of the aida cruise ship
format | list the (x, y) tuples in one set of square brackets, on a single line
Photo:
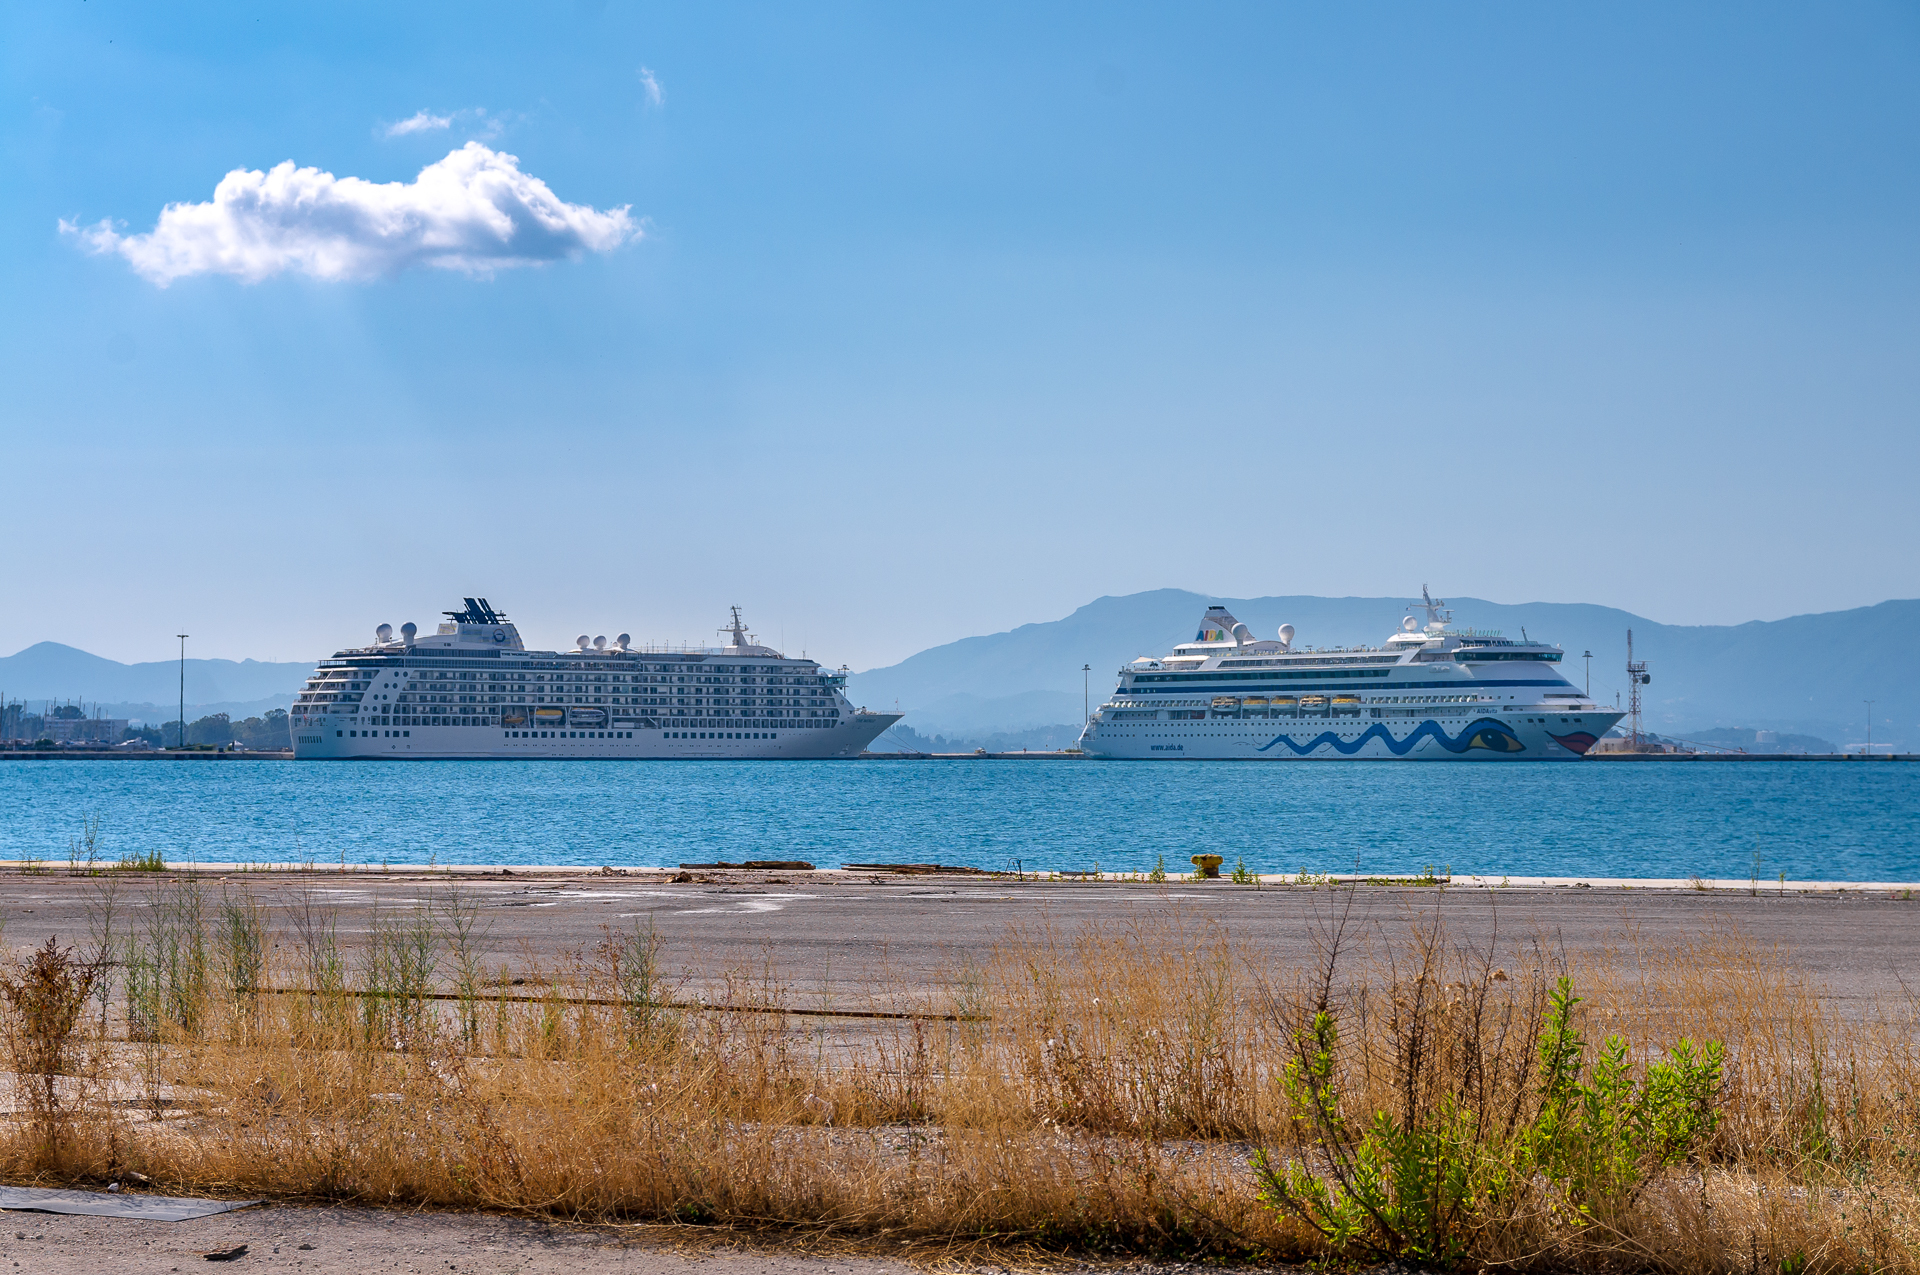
[(472, 690), (1431, 693)]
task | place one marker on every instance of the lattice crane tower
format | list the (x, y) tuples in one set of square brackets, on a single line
[(1637, 677)]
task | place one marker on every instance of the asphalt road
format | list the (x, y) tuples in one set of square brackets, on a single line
[(840, 934), (336, 1241)]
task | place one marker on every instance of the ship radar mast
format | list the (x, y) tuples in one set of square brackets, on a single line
[(738, 628), (1438, 617)]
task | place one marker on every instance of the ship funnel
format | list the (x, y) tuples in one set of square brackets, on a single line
[(600, 643), (1286, 637), (1218, 625), (622, 641), (407, 631), (383, 634)]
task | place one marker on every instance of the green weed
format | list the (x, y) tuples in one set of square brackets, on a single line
[(1486, 1134)]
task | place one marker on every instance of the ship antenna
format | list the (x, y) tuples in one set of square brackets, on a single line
[(738, 628), (1438, 617)]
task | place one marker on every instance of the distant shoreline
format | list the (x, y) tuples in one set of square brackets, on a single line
[(157, 754)]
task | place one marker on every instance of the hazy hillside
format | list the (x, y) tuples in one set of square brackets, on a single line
[(155, 714), (51, 671), (902, 738), (1806, 674)]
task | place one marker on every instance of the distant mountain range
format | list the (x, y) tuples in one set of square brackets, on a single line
[(151, 691), (1808, 674), (1805, 675)]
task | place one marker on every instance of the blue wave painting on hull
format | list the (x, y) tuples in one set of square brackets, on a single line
[(1485, 733)]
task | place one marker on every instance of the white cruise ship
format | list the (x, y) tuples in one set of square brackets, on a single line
[(472, 690), (1431, 693)]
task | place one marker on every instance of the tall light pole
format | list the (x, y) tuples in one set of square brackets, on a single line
[(183, 687), (1086, 693), (1869, 704), (1589, 658)]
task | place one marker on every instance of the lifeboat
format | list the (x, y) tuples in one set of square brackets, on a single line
[(589, 717), (1225, 701), (1284, 701), (1313, 701), (1255, 701), (514, 717), (549, 716), (1346, 701)]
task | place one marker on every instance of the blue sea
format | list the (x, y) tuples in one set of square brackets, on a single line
[(1809, 820)]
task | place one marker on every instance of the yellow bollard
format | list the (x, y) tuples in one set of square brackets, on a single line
[(1209, 865)]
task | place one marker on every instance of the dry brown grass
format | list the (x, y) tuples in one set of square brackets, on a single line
[(1094, 1091)]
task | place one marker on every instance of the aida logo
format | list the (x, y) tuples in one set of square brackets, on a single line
[(1211, 635)]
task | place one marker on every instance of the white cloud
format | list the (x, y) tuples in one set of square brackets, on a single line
[(474, 211), (418, 122), (473, 120), (655, 94)]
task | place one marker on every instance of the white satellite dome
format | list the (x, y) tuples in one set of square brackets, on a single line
[(582, 642), (600, 643), (384, 633), (1286, 636), (622, 641), (407, 631)]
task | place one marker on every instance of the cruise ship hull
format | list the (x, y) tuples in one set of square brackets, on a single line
[(431, 743), (1519, 737)]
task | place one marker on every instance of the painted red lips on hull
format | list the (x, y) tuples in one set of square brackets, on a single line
[(1578, 741)]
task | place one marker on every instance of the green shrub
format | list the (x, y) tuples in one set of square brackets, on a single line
[(1486, 1134)]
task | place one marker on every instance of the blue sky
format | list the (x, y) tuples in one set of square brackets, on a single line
[(927, 321)]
